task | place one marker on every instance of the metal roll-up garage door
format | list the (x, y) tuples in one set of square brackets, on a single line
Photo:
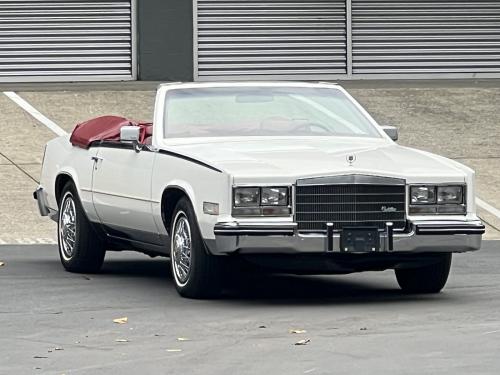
[(426, 37), (277, 39), (66, 40)]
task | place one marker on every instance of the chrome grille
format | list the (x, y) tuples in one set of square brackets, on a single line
[(349, 205)]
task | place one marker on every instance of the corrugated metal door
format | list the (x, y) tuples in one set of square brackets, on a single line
[(426, 37), (66, 40), (271, 39)]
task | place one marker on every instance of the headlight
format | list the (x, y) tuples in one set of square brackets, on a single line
[(431, 199), (449, 194), (265, 201), (423, 194), (246, 197), (274, 196)]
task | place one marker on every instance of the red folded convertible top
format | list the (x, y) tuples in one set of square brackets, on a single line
[(106, 128)]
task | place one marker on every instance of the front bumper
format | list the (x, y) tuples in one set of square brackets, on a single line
[(283, 238)]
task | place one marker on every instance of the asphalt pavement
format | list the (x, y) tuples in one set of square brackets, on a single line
[(54, 322)]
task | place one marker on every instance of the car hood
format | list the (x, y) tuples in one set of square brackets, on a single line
[(286, 159)]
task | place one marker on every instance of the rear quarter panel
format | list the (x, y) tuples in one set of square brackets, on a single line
[(61, 157)]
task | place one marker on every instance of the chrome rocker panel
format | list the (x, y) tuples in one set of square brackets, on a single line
[(424, 237)]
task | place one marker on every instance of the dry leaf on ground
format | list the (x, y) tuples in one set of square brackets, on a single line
[(121, 320), (303, 342), (298, 331)]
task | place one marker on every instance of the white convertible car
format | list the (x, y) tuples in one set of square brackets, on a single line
[(296, 177)]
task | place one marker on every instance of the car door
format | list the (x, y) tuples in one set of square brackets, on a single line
[(121, 192)]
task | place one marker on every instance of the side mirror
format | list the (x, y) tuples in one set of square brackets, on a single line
[(129, 133), (391, 131)]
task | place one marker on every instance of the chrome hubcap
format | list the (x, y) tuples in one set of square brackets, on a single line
[(67, 227), (181, 249)]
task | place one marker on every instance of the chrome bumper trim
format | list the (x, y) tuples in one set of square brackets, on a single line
[(232, 229), (275, 238), (40, 196), (450, 229)]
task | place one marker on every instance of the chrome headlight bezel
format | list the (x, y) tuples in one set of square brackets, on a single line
[(270, 202), (434, 205)]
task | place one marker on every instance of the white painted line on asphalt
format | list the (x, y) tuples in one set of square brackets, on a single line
[(46, 241), (488, 207), (35, 113), (29, 241)]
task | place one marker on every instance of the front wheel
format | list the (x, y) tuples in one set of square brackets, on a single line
[(196, 272), (427, 279)]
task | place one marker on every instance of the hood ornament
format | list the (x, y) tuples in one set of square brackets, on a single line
[(350, 159)]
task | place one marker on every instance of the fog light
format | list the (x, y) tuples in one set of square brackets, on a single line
[(423, 210), (452, 209)]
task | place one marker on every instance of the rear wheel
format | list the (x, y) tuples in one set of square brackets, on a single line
[(80, 248), (196, 272), (428, 279)]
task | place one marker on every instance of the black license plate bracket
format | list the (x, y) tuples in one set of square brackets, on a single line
[(359, 240)]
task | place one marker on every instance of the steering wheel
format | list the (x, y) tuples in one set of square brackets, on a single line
[(310, 125)]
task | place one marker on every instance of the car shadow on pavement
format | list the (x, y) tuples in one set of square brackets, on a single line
[(312, 290), (255, 286)]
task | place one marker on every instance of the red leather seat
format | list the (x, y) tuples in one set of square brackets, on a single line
[(148, 134)]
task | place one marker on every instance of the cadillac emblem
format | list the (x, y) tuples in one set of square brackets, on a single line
[(351, 159)]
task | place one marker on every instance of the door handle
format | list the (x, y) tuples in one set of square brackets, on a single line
[(96, 160)]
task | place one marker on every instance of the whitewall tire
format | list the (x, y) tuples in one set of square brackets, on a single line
[(196, 272)]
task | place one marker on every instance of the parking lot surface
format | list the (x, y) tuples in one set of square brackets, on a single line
[(54, 322)]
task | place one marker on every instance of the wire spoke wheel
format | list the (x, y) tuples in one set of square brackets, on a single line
[(181, 249), (67, 227), (81, 249)]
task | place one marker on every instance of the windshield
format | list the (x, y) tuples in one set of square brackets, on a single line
[(263, 111)]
